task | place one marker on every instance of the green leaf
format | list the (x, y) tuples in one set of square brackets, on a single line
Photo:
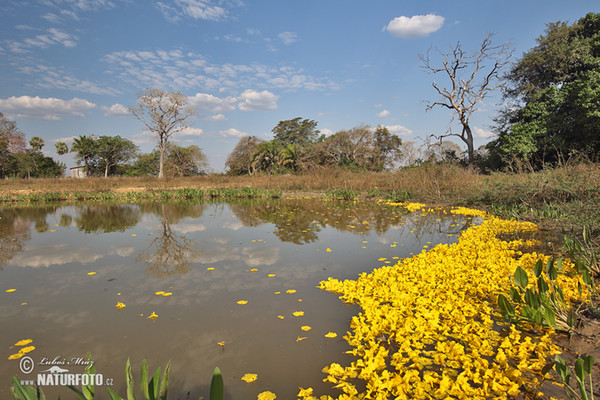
[(538, 268), (580, 375), (538, 317), (130, 381), (542, 285), (506, 308), (549, 263), (552, 272), (549, 317), (216, 385), (113, 395), (164, 384), (515, 296), (559, 264), (144, 379), (588, 363), (532, 298), (587, 279), (153, 385), (521, 277), (23, 392), (571, 318), (528, 313), (563, 370)]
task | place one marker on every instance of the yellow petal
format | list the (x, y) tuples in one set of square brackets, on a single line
[(249, 378), (23, 342), (299, 339), (153, 316), (15, 356), (328, 250), (159, 293), (298, 313), (91, 273), (210, 268), (306, 328), (290, 291), (120, 306), (27, 349), (243, 302), (331, 335)]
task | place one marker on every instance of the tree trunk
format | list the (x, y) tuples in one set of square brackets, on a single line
[(106, 171), (161, 148)]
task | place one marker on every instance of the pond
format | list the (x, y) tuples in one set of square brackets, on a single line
[(232, 284)]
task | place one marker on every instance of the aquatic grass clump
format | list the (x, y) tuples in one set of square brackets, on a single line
[(430, 326)]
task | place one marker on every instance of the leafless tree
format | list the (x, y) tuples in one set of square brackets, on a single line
[(164, 114), (473, 76)]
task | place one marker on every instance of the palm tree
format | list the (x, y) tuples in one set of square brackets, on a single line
[(266, 156), (85, 147), (288, 157)]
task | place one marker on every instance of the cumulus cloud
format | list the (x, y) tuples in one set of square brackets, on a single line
[(191, 132), (116, 110), (251, 100), (208, 102), (46, 108), (383, 114), (482, 133), (288, 37), (415, 26), (399, 130), (232, 132)]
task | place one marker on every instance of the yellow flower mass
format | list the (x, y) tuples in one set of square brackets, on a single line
[(430, 327), (267, 396), (249, 378), (120, 306), (298, 313), (330, 335)]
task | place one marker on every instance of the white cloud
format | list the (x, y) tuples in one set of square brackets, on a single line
[(415, 26), (196, 9), (46, 108), (482, 133), (55, 77), (288, 37), (52, 37), (208, 102), (383, 114), (326, 132), (191, 132), (232, 132), (216, 117), (399, 130), (65, 139), (116, 110), (251, 100)]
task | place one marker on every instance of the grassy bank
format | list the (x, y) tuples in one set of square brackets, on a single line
[(561, 198)]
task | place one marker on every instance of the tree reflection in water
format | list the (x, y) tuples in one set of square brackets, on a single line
[(170, 253)]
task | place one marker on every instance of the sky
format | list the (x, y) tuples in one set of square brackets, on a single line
[(73, 67)]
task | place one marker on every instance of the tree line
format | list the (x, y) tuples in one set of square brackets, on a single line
[(550, 112)]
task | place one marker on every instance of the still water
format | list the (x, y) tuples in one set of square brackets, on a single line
[(226, 281)]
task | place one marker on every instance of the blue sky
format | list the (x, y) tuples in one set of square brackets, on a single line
[(72, 67)]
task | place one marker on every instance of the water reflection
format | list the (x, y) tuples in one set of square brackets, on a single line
[(170, 253), (210, 256)]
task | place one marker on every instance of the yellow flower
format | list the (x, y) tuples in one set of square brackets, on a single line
[(328, 250), (242, 302), (331, 335), (166, 294), (210, 268), (249, 378), (290, 291), (266, 396), (221, 343), (27, 349), (120, 306), (15, 356), (153, 316), (306, 328), (160, 293), (305, 392), (298, 313), (299, 339), (271, 275), (280, 316), (23, 342), (91, 273), (253, 270)]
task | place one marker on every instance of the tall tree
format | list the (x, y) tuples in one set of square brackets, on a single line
[(114, 150), (85, 147), (185, 161), (163, 114), (239, 161), (473, 76), (36, 143), (554, 97), (15, 139), (61, 148), (387, 148), (296, 131)]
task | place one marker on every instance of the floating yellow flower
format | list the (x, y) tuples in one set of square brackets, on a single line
[(331, 335), (153, 316), (328, 250), (267, 396), (290, 291), (133, 234), (167, 294), (306, 328), (242, 302), (305, 392), (253, 270), (23, 342), (91, 273), (120, 306), (299, 339), (159, 293), (210, 268), (249, 378), (27, 349), (280, 316), (298, 313), (271, 275), (15, 356), (221, 343)]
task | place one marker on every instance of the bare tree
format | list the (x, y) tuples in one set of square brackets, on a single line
[(163, 114), (472, 77)]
